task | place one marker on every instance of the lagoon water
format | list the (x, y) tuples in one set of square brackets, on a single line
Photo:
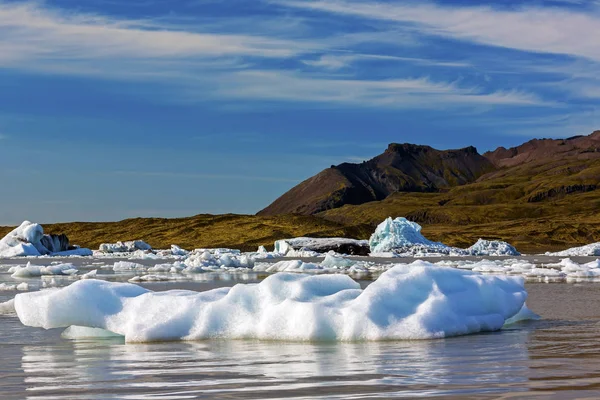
[(557, 357)]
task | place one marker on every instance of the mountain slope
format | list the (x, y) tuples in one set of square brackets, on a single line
[(401, 168), (542, 194)]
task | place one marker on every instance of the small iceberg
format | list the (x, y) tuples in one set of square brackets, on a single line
[(492, 248), (417, 301), (29, 240), (590, 250), (124, 247)]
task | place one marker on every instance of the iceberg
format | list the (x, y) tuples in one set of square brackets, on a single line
[(31, 270), (5, 287), (492, 248), (29, 240), (401, 237), (178, 251), (124, 247), (417, 301), (290, 266), (317, 246), (7, 307), (400, 233), (200, 261), (590, 250)]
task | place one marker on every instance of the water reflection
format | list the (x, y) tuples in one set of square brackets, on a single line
[(251, 369)]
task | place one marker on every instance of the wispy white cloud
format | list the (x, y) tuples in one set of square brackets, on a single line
[(339, 61), (210, 63), (555, 30), (393, 93), (30, 32)]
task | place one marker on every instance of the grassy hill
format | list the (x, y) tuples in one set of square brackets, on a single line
[(245, 232), (536, 207)]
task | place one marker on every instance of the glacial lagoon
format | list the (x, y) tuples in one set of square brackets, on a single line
[(555, 356)]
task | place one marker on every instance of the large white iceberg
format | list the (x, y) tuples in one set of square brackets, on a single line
[(400, 233), (418, 301), (403, 237), (29, 240)]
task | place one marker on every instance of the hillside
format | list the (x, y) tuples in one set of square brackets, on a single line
[(245, 232), (401, 168), (542, 195)]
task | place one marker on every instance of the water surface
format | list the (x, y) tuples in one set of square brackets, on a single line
[(555, 357)]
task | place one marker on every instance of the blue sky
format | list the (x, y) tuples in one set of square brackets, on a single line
[(112, 109)]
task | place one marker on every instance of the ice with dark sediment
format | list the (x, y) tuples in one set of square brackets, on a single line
[(29, 240)]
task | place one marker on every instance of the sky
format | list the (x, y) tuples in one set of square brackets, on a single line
[(111, 109)]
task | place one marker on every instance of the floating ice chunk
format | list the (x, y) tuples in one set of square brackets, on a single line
[(401, 237), (317, 246), (152, 278), (175, 267), (417, 301), (524, 315), (143, 255), (178, 251), (90, 275), (205, 260), (121, 266), (24, 240), (29, 240), (5, 287), (125, 247), (82, 332), (393, 234), (590, 250), (74, 253), (303, 253), (8, 307), (39, 270), (331, 261), (289, 266), (492, 248)]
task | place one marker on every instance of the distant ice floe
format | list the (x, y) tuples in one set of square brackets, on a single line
[(420, 301), (7, 307), (6, 287), (331, 264), (29, 240), (124, 247), (31, 270), (590, 250), (315, 247), (402, 238)]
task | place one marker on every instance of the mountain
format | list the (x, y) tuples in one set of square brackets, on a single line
[(401, 168), (576, 147), (541, 195)]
